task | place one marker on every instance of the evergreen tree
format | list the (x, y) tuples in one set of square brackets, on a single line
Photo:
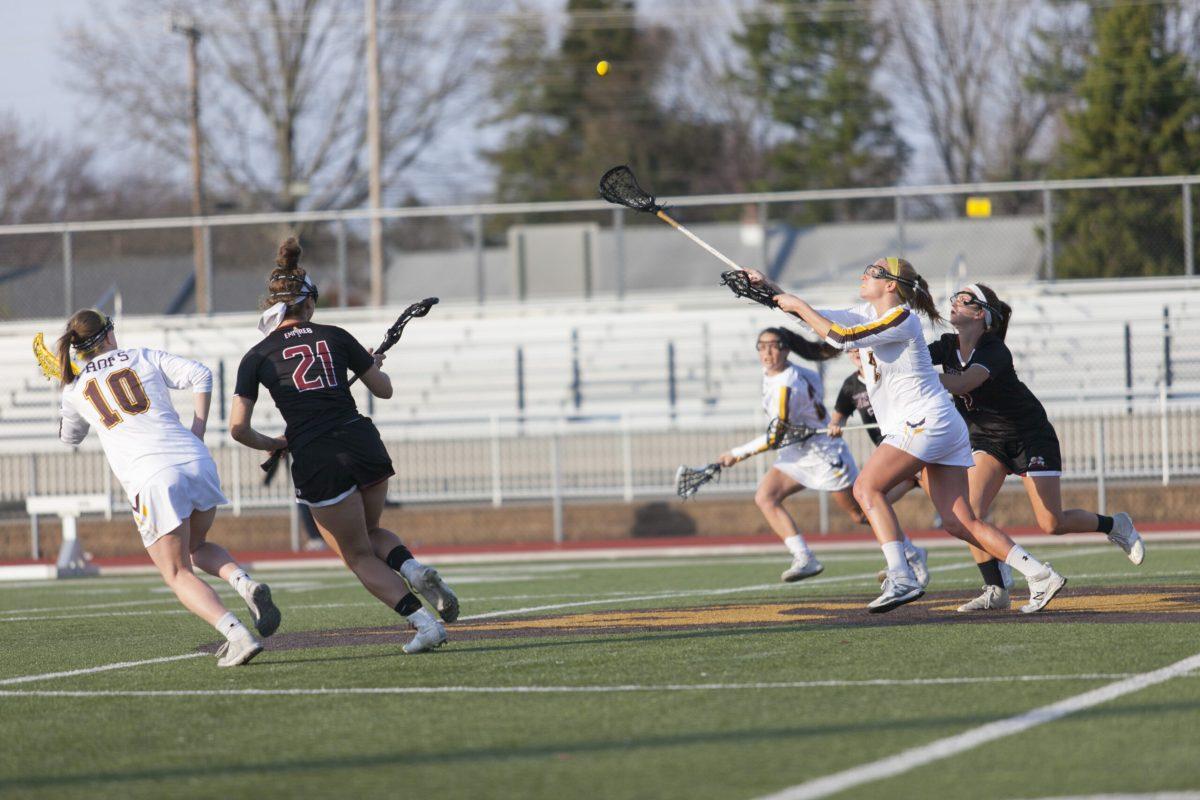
[(812, 65), (565, 124), (1140, 117)]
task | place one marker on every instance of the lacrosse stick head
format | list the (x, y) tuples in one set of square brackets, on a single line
[(619, 186), (48, 361), (740, 284), (781, 433), (688, 480)]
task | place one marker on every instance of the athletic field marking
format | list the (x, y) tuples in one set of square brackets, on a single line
[(953, 745), (618, 688), (45, 676), (89, 605), (1150, 796)]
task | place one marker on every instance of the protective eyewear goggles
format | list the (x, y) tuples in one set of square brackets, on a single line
[(876, 271), (971, 301), (769, 344)]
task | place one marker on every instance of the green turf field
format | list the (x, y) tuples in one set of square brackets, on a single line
[(651, 678)]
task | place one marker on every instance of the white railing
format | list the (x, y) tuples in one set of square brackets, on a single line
[(503, 459)]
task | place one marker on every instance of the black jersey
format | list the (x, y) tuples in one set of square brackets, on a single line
[(853, 397), (1000, 407), (304, 368)]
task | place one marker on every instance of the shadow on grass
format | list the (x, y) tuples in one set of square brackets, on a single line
[(297, 765)]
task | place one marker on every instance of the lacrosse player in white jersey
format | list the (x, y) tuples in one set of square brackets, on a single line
[(165, 469), (792, 393), (921, 427)]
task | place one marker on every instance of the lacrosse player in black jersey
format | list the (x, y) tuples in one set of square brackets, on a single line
[(1010, 434), (340, 466)]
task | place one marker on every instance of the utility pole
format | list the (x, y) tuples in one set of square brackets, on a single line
[(187, 27), (373, 146)]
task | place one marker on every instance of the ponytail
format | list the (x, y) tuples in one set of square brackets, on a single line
[(85, 333), (804, 348), (913, 289), (1001, 312)]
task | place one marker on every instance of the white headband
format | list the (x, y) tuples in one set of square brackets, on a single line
[(987, 315), (274, 315)]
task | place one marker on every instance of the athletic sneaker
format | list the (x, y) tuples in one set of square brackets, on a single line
[(262, 608), (426, 582), (1125, 536), (898, 589), (802, 567), (917, 559), (430, 634), (994, 598), (1042, 589), (238, 651)]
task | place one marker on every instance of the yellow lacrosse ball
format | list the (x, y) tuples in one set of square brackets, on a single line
[(601, 67)]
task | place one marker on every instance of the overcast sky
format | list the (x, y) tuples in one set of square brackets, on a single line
[(31, 72)]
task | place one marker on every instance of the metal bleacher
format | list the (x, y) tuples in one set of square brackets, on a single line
[(585, 359)]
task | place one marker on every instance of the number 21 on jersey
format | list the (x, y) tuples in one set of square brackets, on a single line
[(126, 389), (300, 377)]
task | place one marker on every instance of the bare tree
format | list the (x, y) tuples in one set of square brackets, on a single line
[(971, 70), (282, 90), (42, 179)]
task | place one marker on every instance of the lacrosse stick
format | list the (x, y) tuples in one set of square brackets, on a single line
[(740, 284), (47, 360), (419, 309), (781, 433), (620, 187)]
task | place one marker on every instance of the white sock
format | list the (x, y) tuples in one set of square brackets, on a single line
[(1022, 562), (797, 546), (896, 562), (231, 627), (421, 618), (237, 575)]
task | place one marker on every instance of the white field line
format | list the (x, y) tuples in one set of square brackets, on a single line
[(600, 689), (940, 749), (612, 597), (1150, 796), (45, 676), (287, 571)]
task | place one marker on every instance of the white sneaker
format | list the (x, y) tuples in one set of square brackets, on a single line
[(898, 589), (994, 598), (426, 582), (802, 567), (238, 651), (1125, 536), (430, 634), (1042, 589), (917, 558), (262, 608)]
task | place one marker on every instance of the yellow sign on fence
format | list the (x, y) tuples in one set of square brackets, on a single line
[(979, 207)]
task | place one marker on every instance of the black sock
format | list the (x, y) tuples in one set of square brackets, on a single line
[(1105, 524), (408, 604), (990, 570), (398, 556)]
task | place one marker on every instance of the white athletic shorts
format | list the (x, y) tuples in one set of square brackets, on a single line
[(170, 497), (935, 440), (821, 463)]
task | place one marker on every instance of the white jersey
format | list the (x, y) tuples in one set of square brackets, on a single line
[(897, 370), (124, 394), (793, 395)]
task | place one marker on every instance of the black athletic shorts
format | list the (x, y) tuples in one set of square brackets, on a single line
[(332, 466), (1034, 452)]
